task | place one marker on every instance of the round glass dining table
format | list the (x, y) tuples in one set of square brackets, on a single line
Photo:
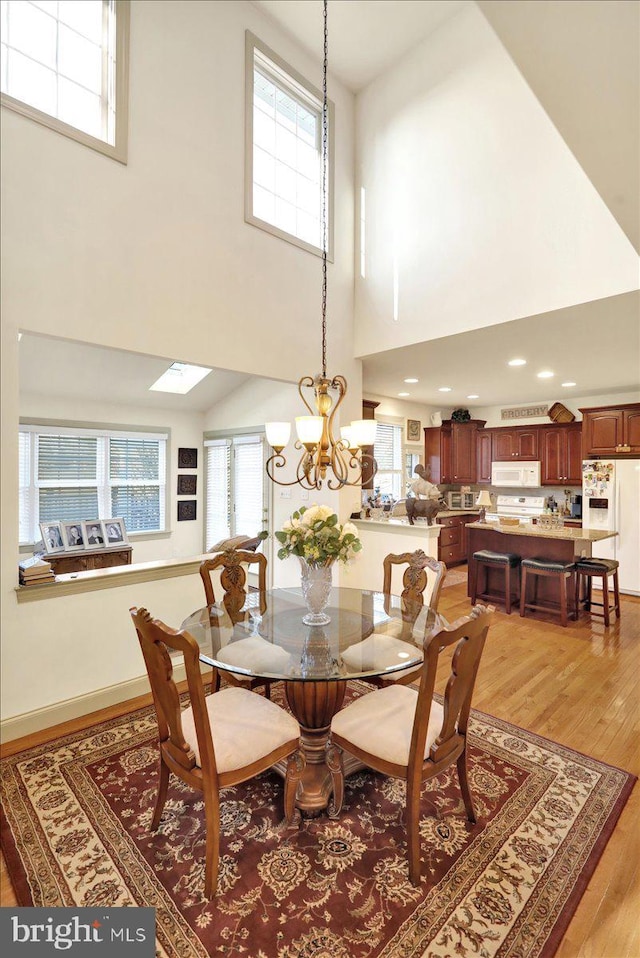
[(369, 634)]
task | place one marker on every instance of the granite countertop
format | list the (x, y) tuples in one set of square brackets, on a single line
[(568, 532)]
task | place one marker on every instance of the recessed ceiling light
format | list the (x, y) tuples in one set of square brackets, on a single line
[(404, 394), (180, 378), (473, 396), (568, 384), (444, 389), (411, 380), (546, 374), (517, 362)]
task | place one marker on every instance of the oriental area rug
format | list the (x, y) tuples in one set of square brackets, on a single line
[(75, 832)]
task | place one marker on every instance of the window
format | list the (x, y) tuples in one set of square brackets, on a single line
[(284, 151), (64, 64), (72, 474), (387, 451), (235, 488)]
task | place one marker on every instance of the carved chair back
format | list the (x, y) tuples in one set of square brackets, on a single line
[(157, 641), (233, 579)]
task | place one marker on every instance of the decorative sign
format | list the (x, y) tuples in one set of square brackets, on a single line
[(524, 412)]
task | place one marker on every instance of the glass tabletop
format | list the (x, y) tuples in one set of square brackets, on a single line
[(369, 634)]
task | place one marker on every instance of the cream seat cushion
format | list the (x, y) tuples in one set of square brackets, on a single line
[(381, 723), (256, 655), (245, 727), (378, 652)]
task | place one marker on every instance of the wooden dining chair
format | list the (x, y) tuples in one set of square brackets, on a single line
[(233, 580), (414, 583), (217, 740), (405, 733)]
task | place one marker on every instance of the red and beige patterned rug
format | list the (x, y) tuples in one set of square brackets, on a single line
[(75, 833)]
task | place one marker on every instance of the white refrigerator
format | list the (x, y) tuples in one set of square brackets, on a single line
[(611, 500)]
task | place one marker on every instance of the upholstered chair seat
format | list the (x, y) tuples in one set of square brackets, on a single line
[(247, 727)]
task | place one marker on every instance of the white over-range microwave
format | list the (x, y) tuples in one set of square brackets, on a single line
[(513, 475)]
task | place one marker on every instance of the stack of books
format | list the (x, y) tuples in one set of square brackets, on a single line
[(35, 571)]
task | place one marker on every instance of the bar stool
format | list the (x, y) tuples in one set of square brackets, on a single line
[(495, 560), (552, 568), (586, 571)]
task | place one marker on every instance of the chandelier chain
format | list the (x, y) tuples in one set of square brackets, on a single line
[(324, 191)]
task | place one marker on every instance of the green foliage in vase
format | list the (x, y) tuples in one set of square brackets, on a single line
[(315, 534)]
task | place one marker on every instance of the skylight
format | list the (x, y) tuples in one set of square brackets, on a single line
[(180, 378)]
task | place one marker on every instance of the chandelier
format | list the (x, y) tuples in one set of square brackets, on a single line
[(345, 458)]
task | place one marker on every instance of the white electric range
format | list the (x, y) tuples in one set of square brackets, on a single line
[(525, 508)]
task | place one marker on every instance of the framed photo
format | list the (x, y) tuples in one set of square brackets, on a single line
[(94, 537), (72, 536), (186, 510), (51, 533), (115, 532), (413, 430), (187, 458), (187, 485)]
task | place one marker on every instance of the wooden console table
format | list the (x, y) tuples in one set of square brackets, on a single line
[(89, 560)]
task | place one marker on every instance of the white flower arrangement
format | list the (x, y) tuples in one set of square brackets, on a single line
[(314, 534)]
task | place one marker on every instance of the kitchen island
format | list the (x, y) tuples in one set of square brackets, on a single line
[(529, 541)]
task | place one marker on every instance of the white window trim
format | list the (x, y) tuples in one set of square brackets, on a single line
[(66, 427), (252, 42), (119, 150), (228, 436)]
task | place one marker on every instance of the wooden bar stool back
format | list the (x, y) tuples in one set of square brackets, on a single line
[(586, 571), (508, 562), (554, 568)]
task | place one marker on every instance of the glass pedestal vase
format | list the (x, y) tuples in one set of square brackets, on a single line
[(316, 587)]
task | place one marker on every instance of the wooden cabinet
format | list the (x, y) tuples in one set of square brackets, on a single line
[(611, 430), (368, 412), (561, 455), (484, 439), (519, 443), (87, 561), (452, 543), (450, 452)]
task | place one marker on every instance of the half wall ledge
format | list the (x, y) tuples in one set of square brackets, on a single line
[(74, 583)]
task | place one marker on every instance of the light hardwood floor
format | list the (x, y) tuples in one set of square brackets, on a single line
[(578, 686)]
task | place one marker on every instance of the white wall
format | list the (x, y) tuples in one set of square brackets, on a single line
[(154, 257), (401, 409), (185, 430), (474, 195)]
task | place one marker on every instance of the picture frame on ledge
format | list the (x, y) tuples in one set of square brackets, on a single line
[(413, 430), (51, 533), (115, 533), (73, 536), (94, 535), (187, 458)]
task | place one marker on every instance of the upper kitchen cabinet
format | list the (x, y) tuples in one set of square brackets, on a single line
[(611, 431), (519, 443), (561, 454), (368, 412), (483, 455), (450, 451)]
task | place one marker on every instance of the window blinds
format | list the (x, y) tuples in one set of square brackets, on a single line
[(235, 497), (388, 455), (71, 474)]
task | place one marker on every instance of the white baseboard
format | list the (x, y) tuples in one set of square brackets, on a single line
[(39, 719)]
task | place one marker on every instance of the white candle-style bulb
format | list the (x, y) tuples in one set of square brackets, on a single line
[(309, 429), (363, 432), (278, 434)]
